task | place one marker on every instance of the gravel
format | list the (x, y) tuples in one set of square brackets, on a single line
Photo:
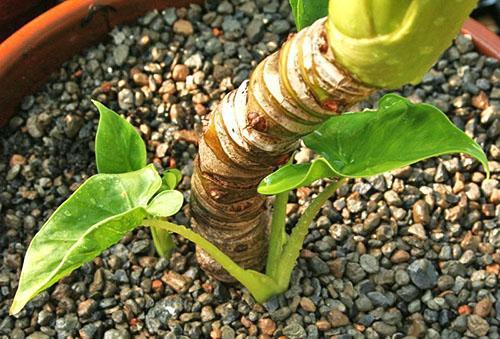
[(414, 252)]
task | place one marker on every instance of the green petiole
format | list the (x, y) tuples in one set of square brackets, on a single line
[(278, 237), (292, 248), (260, 285)]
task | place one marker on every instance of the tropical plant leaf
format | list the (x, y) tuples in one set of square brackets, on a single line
[(368, 143), (118, 146), (306, 12), (94, 217)]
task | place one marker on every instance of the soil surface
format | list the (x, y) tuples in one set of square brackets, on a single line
[(414, 252)]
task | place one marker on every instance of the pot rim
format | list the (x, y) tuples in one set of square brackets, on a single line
[(32, 53)]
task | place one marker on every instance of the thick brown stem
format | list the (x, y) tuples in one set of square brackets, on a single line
[(254, 129)]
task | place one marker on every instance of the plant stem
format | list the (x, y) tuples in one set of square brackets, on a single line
[(260, 286), (294, 245), (278, 235)]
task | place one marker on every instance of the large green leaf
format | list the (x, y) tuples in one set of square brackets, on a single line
[(96, 216), (118, 146), (368, 143), (306, 12)]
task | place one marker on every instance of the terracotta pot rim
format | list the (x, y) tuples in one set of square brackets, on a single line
[(32, 53)]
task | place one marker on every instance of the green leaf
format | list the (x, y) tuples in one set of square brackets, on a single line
[(118, 146), (399, 133), (294, 176), (100, 212), (368, 143), (306, 12), (166, 203), (171, 178)]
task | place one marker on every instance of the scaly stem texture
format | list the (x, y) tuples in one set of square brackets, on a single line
[(253, 130)]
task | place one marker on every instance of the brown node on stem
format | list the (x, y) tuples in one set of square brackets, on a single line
[(323, 47), (331, 105), (290, 36), (257, 122), (216, 194)]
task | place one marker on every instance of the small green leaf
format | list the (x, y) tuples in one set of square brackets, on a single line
[(399, 133), (118, 146), (166, 203), (306, 12), (96, 216), (293, 176), (171, 178)]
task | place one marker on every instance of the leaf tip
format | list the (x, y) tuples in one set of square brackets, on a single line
[(16, 307)]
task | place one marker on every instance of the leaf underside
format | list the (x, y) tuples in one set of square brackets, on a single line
[(96, 216), (369, 143)]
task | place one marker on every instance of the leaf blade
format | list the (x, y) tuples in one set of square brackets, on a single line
[(99, 213), (118, 146), (398, 134), (166, 203)]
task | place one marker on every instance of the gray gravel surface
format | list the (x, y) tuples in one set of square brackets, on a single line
[(411, 253)]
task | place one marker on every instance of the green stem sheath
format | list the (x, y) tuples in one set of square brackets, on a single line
[(295, 242), (260, 286), (278, 235), (164, 244)]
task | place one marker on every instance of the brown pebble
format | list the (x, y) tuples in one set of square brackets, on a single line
[(291, 208), (180, 72), (483, 307), (400, 256), (216, 333), (421, 212), (323, 325), (140, 79), (307, 304), (495, 197), (480, 101), (183, 27), (17, 159), (187, 135), (175, 280), (337, 267), (337, 318), (267, 326), (470, 241)]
